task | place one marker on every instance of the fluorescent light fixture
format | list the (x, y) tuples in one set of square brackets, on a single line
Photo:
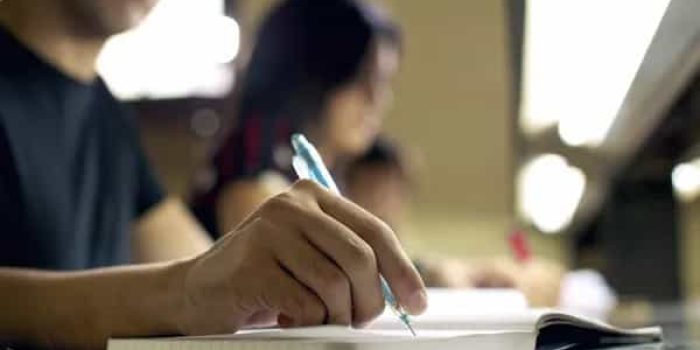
[(686, 180), (181, 49), (549, 191), (580, 58)]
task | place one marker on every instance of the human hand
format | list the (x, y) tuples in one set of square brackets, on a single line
[(538, 279), (305, 257), (441, 272)]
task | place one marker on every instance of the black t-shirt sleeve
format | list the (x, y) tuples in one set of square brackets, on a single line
[(11, 227), (9, 195), (150, 192)]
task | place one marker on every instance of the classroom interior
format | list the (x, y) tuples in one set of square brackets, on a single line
[(577, 122)]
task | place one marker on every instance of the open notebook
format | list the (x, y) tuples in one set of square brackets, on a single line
[(440, 328)]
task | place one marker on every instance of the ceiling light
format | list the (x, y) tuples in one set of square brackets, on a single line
[(549, 191), (580, 58)]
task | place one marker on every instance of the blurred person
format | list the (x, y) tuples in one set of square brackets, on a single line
[(382, 181), (322, 68), (76, 194)]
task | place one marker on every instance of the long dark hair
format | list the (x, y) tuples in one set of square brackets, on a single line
[(305, 49)]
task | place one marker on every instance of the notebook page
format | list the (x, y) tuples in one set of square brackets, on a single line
[(486, 341), (332, 333), (459, 309), (524, 320), (334, 337)]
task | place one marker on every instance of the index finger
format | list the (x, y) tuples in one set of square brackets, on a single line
[(392, 260)]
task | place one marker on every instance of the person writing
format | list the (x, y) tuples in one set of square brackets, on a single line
[(324, 68), (76, 194)]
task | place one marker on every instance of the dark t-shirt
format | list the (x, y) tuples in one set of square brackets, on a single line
[(73, 176)]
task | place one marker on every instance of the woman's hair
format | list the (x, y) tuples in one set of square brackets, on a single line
[(304, 51)]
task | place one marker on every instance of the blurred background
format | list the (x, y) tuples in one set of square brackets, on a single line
[(577, 120)]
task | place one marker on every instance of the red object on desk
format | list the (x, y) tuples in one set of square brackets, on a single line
[(520, 246)]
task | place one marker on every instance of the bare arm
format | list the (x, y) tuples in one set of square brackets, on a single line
[(58, 309), (82, 309), (168, 232), (238, 199), (305, 257)]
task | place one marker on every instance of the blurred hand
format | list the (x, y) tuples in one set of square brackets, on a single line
[(490, 275), (539, 279), (305, 257)]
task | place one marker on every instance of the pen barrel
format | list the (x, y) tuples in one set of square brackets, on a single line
[(308, 164)]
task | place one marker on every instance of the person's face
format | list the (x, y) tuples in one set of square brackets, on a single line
[(103, 18), (355, 111)]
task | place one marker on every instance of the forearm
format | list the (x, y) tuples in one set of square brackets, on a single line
[(84, 309), (168, 232)]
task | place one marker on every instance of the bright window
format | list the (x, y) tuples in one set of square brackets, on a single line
[(183, 48)]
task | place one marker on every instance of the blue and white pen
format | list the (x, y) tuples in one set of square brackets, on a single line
[(308, 165)]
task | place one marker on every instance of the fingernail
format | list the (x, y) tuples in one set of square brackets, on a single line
[(417, 302)]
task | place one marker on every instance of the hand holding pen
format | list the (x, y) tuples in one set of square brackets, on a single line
[(304, 257), (308, 165)]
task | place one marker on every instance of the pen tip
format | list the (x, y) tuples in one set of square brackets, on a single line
[(407, 323), (410, 328)]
